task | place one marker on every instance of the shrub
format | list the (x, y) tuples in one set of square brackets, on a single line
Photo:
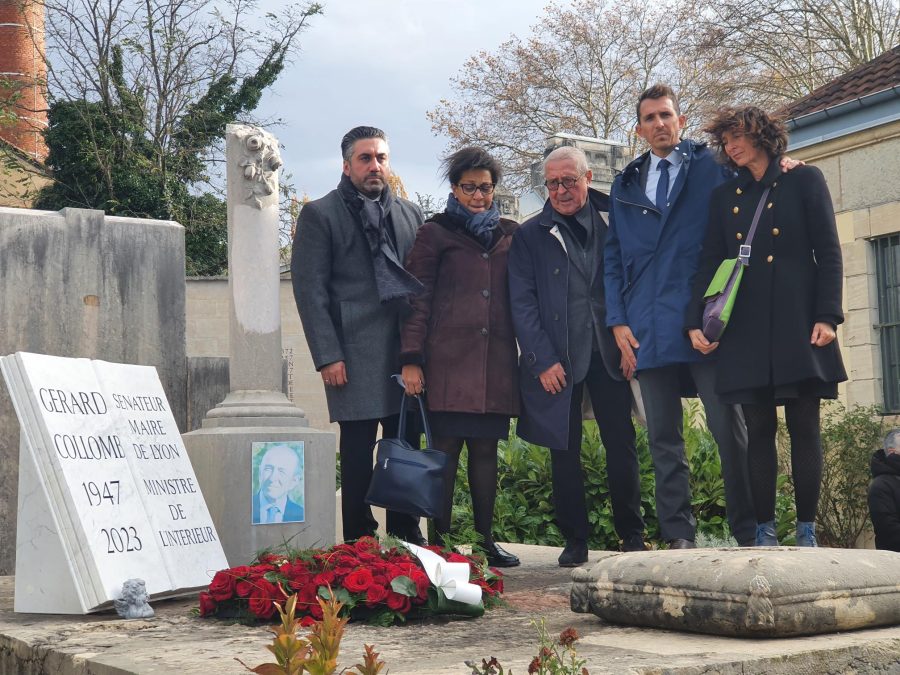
[(524, 509)]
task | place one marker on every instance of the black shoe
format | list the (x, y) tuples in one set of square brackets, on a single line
[(635, 542), (682, 543), (411, 538), (497, 557), (574, 554)]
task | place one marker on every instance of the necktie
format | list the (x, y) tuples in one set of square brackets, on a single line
[(271, 513), (662, 187)]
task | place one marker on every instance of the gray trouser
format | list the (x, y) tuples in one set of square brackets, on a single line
[(661, 392)]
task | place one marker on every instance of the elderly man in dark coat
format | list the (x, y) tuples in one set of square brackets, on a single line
[(351, 292), (556, 296), (884, 493)]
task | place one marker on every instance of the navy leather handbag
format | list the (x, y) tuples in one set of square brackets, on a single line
[(407, 479)]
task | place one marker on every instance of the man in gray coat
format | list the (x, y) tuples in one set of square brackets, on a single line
[(352, 293)]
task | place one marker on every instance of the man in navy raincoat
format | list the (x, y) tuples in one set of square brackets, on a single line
[(658, 215)]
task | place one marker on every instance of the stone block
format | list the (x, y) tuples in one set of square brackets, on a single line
[(885, 219), (756, 592), (859, 292), (857, 257), (861, 362), (864, 392), (861, 225), (857, 329), (861, 183)]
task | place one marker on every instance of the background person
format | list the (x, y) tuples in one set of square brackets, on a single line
[(779, 347), (279, 473), (884, 493), (351, 291), (458, 342)]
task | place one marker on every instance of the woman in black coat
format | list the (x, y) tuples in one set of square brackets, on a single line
[(779, 347), (458, 342)]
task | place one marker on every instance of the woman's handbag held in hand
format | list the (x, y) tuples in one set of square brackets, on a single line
[(723, 289), (407, 479)]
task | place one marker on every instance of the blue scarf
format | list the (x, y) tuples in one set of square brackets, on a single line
[(480, 225)]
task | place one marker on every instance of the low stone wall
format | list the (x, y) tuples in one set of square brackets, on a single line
[(81, 284)]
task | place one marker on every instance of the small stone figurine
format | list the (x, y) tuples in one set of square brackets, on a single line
[(133, 602)]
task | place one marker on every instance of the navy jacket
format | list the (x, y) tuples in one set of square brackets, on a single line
[(538, 286), (293, 512), (651, 258)]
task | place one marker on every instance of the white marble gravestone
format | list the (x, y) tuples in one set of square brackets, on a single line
[(106, 489)]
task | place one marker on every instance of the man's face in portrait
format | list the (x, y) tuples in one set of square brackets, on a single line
[(278, 472), (368, 167), (660, 125)]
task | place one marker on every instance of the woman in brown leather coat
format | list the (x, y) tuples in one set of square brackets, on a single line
[(458, 343)]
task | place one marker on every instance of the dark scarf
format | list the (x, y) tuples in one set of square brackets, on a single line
[(392, 281), (480, 225)]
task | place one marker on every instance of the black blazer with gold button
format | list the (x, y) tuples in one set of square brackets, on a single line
[(794, 279)]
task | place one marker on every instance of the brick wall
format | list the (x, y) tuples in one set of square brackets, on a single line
[(23, 75)]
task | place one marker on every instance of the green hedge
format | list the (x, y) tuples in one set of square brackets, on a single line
[(524, 509)]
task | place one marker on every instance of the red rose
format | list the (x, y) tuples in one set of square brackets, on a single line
[(359, 580), (240, 571), (222, 586), (207, 605), (263, 597), (375, 594), (307, 621), (422, 582), (325, 578), (243, 587), (399, 603), (457, 557)]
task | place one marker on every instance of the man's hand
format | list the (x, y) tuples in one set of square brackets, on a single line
[(787, 164), (334, 374), (822, 334), (553, 379), (700, 343), (627, 368), (413, 379), (627, 343)]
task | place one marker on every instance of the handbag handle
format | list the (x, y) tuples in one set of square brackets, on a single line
[(401, 426), (744, 249)]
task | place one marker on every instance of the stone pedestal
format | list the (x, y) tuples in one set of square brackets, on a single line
[(221, 459), (256, 409)]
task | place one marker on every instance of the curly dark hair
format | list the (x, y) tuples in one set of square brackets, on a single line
[(471, 157), (766, 131)]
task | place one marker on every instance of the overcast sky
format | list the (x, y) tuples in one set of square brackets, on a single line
[(383, 63)]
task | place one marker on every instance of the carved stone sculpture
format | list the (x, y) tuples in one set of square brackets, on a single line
[(260, 161), (133, 603)]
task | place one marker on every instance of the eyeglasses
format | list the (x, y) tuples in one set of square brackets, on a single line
[(469, 188), (568, 182)]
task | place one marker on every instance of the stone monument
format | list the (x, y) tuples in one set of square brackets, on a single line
[(256, 414)]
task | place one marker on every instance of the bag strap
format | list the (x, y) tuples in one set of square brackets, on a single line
[(401, 426), (744, 249)]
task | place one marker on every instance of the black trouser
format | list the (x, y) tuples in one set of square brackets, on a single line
[(802, 417), (482, 471), (611, 400), (357, 440)]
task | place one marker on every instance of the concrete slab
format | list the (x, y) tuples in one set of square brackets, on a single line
[(177, 642)]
